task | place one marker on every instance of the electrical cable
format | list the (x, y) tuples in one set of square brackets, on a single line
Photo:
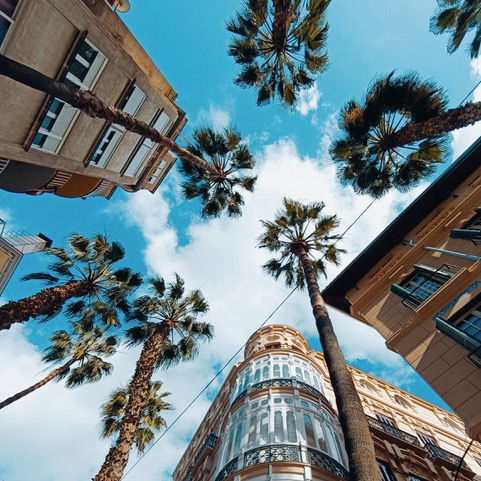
[(235, 354), (462, 459)]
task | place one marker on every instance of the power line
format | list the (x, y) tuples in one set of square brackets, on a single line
[(235, 354)]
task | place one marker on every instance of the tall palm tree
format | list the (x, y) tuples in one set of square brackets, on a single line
[(214, 172), (169, 312), (85, 268), (458, 17), (397, 135), (280, 46), (299, 233), (113, 413), (230, 157), (81, 351)]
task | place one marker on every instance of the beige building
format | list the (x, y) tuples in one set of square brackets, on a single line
[(274, 419), (47, 146), (419, 285)]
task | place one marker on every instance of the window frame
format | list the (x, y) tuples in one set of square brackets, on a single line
[(10, 20)]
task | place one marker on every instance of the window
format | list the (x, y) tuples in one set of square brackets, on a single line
[(402, 402), (471, 230), (385, 419), (146, 146), (471, 324), (7, 8), (412, 477), (426, 438), (423, 282), (82, 73), (386, 473), (131, 104)]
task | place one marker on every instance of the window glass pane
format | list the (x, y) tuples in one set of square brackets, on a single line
[(299, 374), (320, 435), (8, 6), (264, 429), (257, 375), (238, 439), (252, 432), (278, 428), (277, 370), (285, 371), (471, 325), (78, 70), (309, 431), (265, 372), (87, 52), (304, 404), (247, 380), (291, 427), (316, 382), (277, 400), (307, 377), (4, 26), (39, 139), (47, 123)]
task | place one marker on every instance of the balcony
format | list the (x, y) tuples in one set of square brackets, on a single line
[(275, 453), (435, 452), (393, 431), (282, 382), (210, 443)]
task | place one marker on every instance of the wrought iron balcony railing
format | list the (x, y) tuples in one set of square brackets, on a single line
[(210, 442), (282, 382), (322, 460), (393, 431), (273, 453), (435, 451)]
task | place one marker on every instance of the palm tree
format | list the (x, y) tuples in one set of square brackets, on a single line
[(83, 269), (170, 311), (113, 412), (89, 103), (84, 347), (279, 45), (458, 17), (397, 135), (298, 234), (229, 156)]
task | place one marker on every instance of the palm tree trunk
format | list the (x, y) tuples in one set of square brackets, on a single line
[(451, 120), (118, 456), (89, 103), (45, 303), (359, 446), (280, 24), (39, 384)]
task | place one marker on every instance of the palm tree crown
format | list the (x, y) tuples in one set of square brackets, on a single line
[(375, 154), (80, 352), (300, 227), (167, 328), (458, 17), (279, 45), (218, 190), (113, 411), (84, 269)]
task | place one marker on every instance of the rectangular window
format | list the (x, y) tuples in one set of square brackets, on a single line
[(422, 283), (146, 146), (385, 419), (7, 8), (426, 438), (82, 73), (386, 473), (131, 104), (471, 230)]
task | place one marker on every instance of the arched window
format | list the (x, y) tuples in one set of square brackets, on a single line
[(278, 427), (307, 377), (311, 440), (265, 372), (285, 371), (264, 429), (277, 370), (299, 374), (257, 375), (251, 439), (291, 427)]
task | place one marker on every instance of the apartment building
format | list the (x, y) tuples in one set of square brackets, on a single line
[(274, 418), (419, 285), (48, 147)]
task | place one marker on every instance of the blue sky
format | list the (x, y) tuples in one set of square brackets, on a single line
[(163, 234)]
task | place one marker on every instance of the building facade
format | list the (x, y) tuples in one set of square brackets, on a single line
[(419, 285), (46, 146), (13, 246), (275, 419)]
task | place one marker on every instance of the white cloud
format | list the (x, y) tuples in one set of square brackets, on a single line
[(308, 100), (217, 116)]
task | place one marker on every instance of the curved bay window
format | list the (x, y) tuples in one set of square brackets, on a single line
[(277, 420), (276, 367)]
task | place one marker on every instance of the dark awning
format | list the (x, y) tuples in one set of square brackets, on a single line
[(20, 177)]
